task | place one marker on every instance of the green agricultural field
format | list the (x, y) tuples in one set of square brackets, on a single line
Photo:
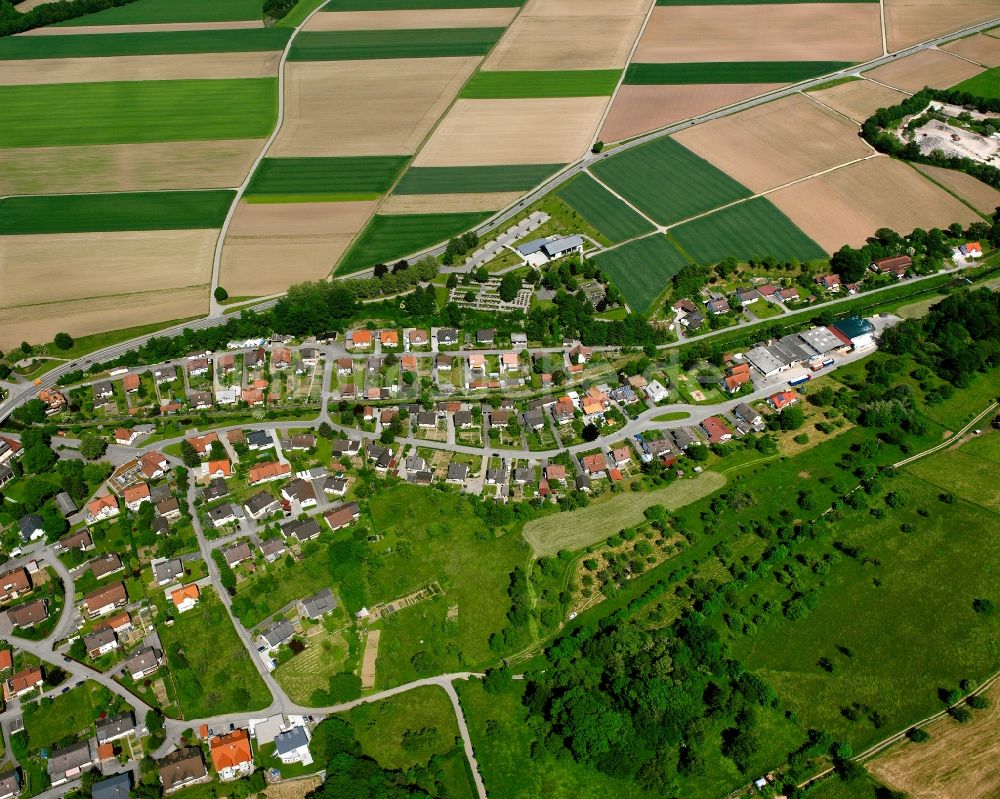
[(730, 72), (668, 182), (81, 213), (209, 666), (642, 268), (568, 83), (985, 84), (602, 209), (753, 228), (966, 474), (427, 43), (111, 44), (473, 179), (119, 112), (148, 11), (404, 5), (326, 177), (388, 238), (581, 528)]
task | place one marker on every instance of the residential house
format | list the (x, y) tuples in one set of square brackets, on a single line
[(101, 508), (829, 282), (582, 483), (463, 419), (226, 363), (232, 755), (135, 495), (896, 266), (258, 440), (6, 474), (447, 337), (252, 397), (217, 470), (534, 419), (594, 465), (169, 509), (185, 597), (310, 356), (335, 486), (29, 614), (621, 456), (563, 411), (457, 472), (224, 514), (746, 413), (972, 249), (389, 339), (292, 746), (343, 516), (523, 476), (718, 307), (118, 786), (301, 491), (153, 465), (235, 555), (143, 662), (790, 294), (80, 540), (167, 570), (104, 600), (181, 768), (260, 505), (427, 420), (281, 358), (301, 530), (23, 683), (746, 296), (30, 527), (10, 784), (500, 419), (67, 764), (197, 366), (684, 437), (115, 728), (477, 362), (496, 476), (54, 400), (275, 635), (268, 471), (359, 339), (272, 549), (100, 642), (716, 429), (656, 391), (693, 320), (345, 446), (200, 400), (203, 444), (580, 355), (255, 358), (103, 391), (302, 441), (782, 400), (318, 605), (555, 471), (105, 566), (164, 374), (125, 437), (417, 338), (519, 341)]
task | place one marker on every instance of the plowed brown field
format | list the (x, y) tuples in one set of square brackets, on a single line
[(858, 99), (927, 68), (910, 21)]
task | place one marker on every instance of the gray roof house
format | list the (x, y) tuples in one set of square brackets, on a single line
[(217, 489), (457, 472), (69, 763), (116, 727), (292, 746), (275, 635), (10, 784), (165, 571), (181, 768), (318, 604), (116, 787), (143, 662), (65, 503), (31, 527)]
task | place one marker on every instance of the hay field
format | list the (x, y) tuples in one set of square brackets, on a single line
[(447, 203), (39, 323), (958, 762), (127, 167), (847, 206), (910, 21), (338, 108), (417, 19), (307, 239), (858, 99), (581, 528), (976, 193), (980, 48), (527, 131), (782, 32), (927, 68), (140, 67), (51, 268), (639, 109), (775, 143), (602, 35)]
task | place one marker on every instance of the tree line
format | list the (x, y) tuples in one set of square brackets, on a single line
[(13, 21)]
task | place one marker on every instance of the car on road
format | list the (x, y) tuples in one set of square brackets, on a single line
[(65, 690)]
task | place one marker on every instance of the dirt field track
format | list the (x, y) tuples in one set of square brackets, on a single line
[(141, 67), (973, 191), (446, 203), (958, 762), (794, 32), (847, 206), (910, 21), (487, 132), (858, 99), (144, 28), (773, 144), (127, 167), (412, 20), (602, 35), (381, 107), (305, 239), (980, 48), (638, 109), (927, 68), (53, 268)]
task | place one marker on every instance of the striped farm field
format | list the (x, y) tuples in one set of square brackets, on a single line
[(754, 228), (473, 179), (119, 44), (414, 5), (729, 72), (365, 45), (668, 182), (165, 11), (565, 83), (641, 269), (119, 112), (310, 178), (389, 238), (609, 215), (93, 213)]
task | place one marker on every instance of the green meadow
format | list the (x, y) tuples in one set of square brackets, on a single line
[(119, 112), (358, 45), (567, 83), (86, 45), (602, 209), (303, 178), (388, 238), (641, 269), (152, 11), (730, 72)]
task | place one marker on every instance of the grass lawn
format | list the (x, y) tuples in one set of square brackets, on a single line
[(146, 11), (730, 72), (403, 5), (602, 209), (328, 654), (388, 238), (581, 528), (326, 176), (964, 472), (473, 179), (209, 665), (79, 213), (753, 228), (985, 84), (642, 268), (119, 112), (671, 417), (65, 716), (427, 43), (668, 182), (87, 344), (566, 83), (119, 44), (763, 309)]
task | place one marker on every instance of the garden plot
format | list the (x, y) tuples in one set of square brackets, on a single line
[(850, 204), (411, 19), (780, 32), (126, 167), (446, 203), (639, 109), (378, 107), (139, 67), (980, 48), (525, 131), (910, 21), (933, 68), (306, 238), (858, 99), (601, 37), (976, 193), (775, 143)]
